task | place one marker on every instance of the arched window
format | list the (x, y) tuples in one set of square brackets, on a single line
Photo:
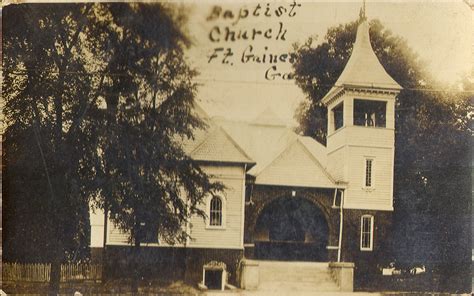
[(215, 212)]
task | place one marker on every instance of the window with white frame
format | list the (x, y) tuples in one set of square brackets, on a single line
[(366, 233), (216, 211), (369, 169), (338, 115), (370, 113)]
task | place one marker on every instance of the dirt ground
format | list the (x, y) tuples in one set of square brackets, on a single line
[(174, 289), (108, 288)]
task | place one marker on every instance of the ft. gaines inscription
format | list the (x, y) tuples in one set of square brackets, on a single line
[(229, 30)]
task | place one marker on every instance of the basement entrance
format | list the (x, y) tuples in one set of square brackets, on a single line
[(291, 229)]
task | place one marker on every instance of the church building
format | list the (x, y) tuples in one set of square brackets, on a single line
[(288, 198)]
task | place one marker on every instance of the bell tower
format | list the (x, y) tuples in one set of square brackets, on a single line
[(361, 127)]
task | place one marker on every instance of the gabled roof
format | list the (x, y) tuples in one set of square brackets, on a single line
[(363, 68), (316, 149), (213, 143), (296, 166), (268, 117), (281, 157), (261, 142), (219, 147)]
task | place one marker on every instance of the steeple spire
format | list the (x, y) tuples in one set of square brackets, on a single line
[(362, 16), (363, 70)]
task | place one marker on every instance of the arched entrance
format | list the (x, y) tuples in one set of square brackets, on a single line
[(291, 229)]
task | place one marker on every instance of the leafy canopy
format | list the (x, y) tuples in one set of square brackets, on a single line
[(98, 98)]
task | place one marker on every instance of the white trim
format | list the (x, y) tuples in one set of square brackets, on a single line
[(332, 118), (376, 93), (372, 173), (374, 114), (371, 242), (392, 173), (107, 233), (358, 146), (357, 205), (316, 161), (341, 227), (223, 213), (225, 177), (301, 185), (223, 275), (188, 225), (242, 222), (155, 245)]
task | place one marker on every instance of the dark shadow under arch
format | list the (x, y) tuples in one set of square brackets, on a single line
[(292, 229)]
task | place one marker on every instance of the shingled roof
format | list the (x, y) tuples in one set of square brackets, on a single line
[(363, 69), (213, 144), (282, 157)]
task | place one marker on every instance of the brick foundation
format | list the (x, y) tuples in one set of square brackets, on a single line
[(169, 264)]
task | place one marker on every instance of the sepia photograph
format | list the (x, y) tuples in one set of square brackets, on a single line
[(237, 147)]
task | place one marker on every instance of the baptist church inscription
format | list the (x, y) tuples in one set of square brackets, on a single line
[(269, 25)]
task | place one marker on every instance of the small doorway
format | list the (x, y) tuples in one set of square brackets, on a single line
[(214, 275), (213, 279)]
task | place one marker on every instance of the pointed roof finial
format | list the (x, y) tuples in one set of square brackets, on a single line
[(363, 69), (362, 15)]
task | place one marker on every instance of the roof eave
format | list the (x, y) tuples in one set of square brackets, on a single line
[(333, 94), (338, 91), (248, 164), (374, 88), (335, 186)]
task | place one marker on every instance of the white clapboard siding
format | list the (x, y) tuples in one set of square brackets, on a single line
[(229, 236), (347, 150), (115, 235), (370, 136), (380, 195), (97, 227)]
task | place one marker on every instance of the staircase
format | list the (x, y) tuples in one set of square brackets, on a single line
[(298, 277)]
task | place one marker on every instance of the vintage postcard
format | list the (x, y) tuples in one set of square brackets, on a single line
[(244, 147)]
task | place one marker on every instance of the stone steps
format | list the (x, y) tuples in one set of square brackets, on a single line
[(295, 276)]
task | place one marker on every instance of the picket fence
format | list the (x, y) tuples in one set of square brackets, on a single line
[(40, 272)]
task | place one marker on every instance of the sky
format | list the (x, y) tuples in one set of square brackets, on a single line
[(238, 88)]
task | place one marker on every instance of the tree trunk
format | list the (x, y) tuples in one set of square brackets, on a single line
[(136, 263), (55, 272)]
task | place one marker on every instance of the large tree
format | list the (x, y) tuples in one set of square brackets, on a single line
[(49, 141), (149, 182), (432, 201), (98, 101)]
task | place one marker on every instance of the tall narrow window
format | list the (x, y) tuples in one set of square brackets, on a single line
[(215, 215), (368, 172), (366, 233), (338, 115)]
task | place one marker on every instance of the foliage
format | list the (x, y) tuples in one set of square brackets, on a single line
[(48, 141), (432, 201), (98, 99), (149, 111)]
